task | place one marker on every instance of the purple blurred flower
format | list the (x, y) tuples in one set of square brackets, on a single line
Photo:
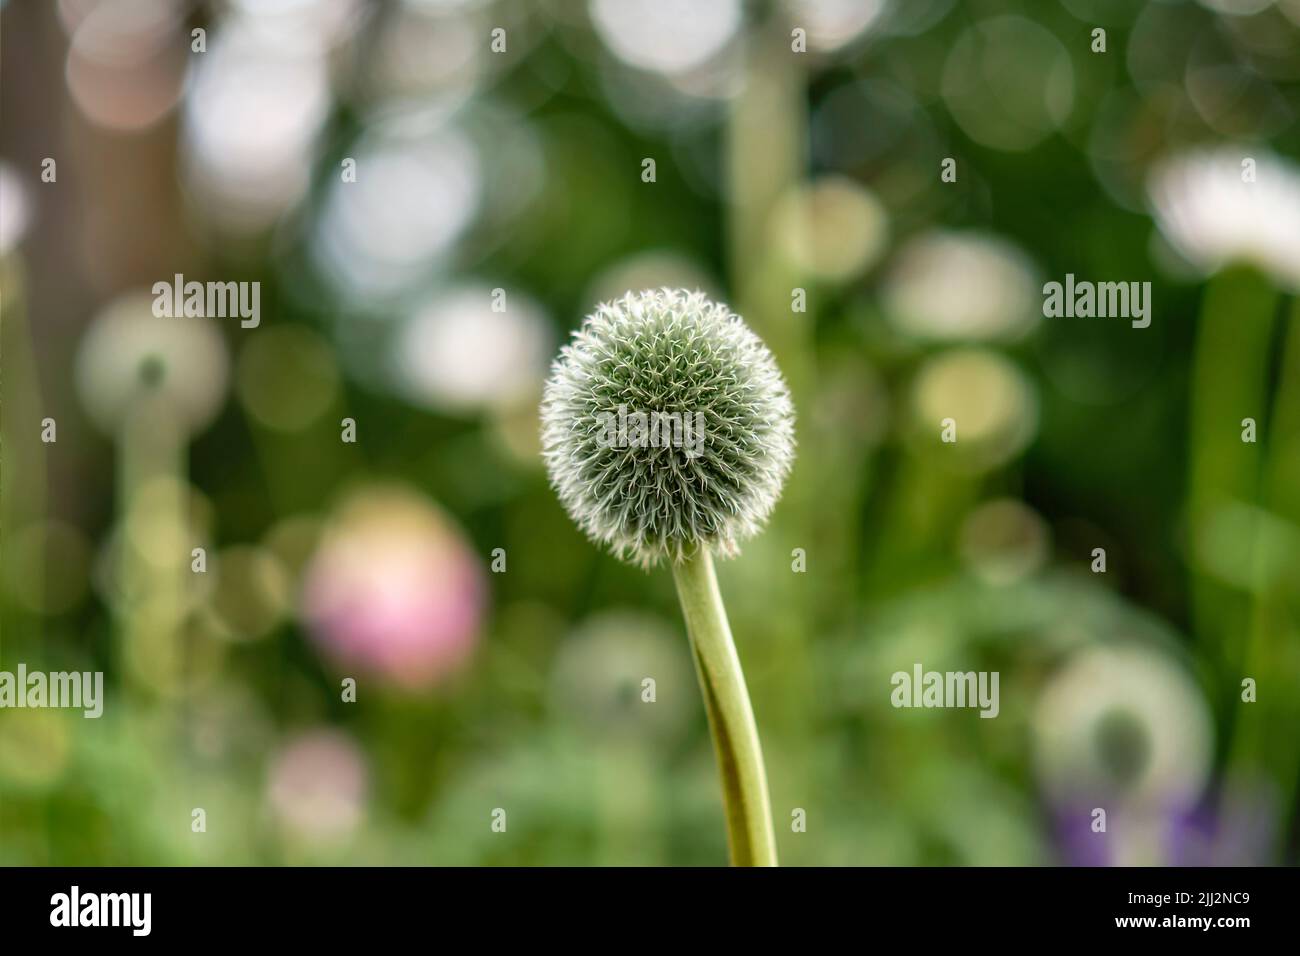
[(1235, 830), (1239, 831), (393, 590)]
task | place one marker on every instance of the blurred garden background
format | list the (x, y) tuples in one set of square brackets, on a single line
[(390, 172)]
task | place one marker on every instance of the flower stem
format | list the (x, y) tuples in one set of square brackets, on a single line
[(731, 718)]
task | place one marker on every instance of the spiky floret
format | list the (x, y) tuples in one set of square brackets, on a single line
[(662, 353)]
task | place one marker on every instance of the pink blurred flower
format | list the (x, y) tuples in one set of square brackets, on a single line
[(317, 785), (393, 590)]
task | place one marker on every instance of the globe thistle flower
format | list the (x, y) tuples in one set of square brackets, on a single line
[(694, 369), (668, 433)]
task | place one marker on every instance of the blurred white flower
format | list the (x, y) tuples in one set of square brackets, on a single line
[(128, 354), (126, 62), (252, 113), (432, 53), (666, 36), (952, 286), (459, 354), (1123, 723), (832, 24), (301, 25), (1213, 218), (418, 187)]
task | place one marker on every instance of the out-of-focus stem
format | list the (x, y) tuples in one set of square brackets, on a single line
[(767, 137), (151, 493), (1229, 376), (22, 471), (1265, 731)]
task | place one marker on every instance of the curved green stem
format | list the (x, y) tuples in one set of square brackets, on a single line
[(731, 718)]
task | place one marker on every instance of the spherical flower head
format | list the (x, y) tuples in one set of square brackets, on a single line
[(666, 427)]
